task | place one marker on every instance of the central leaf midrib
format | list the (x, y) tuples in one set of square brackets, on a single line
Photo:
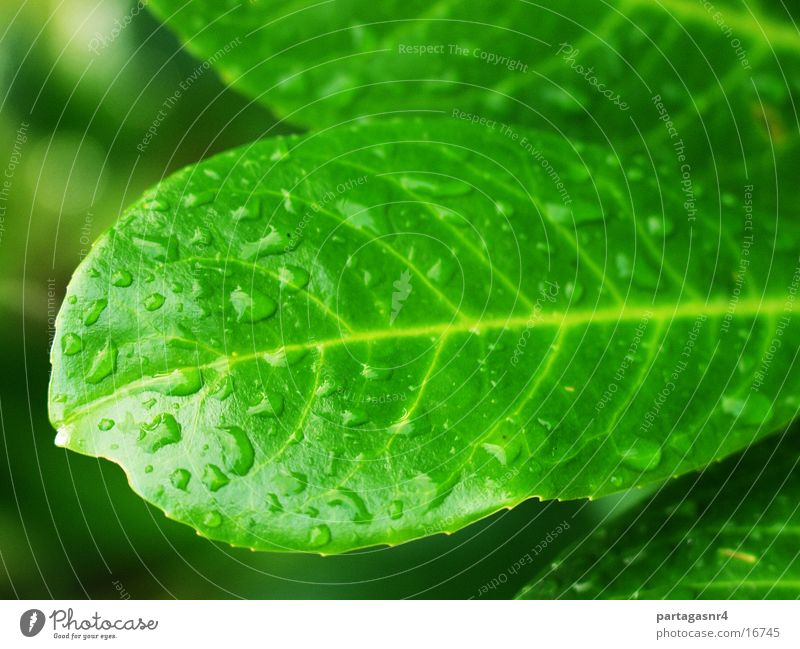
[(745, 308)]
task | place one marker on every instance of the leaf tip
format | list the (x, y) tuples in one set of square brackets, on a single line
[(63, 436)]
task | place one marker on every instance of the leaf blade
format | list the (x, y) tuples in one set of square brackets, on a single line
[(405, 389)]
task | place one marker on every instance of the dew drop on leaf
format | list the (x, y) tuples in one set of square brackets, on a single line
[(92, 313), (162, 431), (293, 278), (212, 519), (751, 410), (396, 509), (326, 387), (71, 344), (180, 382), (154, 302), (105, 424), (573, 291), (273, 243), (121, 278), (198, 199), (504, 443), (104, 363), (376, 373), (156, 204), (222, 387), (252, 307), (214, 478), (319, 536), (271, 405), (291, 483), (237, 450), (354, 417), (180, 479), (157, 248), (273, 503), (504, 209), (641, 455)]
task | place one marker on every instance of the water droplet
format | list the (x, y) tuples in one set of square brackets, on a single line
[(287, 201), (504, 209), (357, 215), (180, 479), (293, 278), (212, 519), (237, 450), (274, 243), (284, 358), (214, 478), (121, 278), (162, 431), (435, 186), (201, 198), (573, 291), (642, 455), (451, 217), (154, 302), (291, 483), (396, 509), (271, 405), (252, 307), (280, 153), (251, 211), (103, 364), (274, 504), (504, 442), (222, 388), (92, 314), (354, 502), (411, 426), (105, 424), (320, 535), (354, 417), (72, 299), (156, 204), (376, 373), (326, 387), (148, 468), (201, 238), (71, 344), (660, 225), (442, 270), (752, 410), (180, 382), (158, 248)]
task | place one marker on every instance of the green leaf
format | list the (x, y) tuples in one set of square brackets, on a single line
[(728, 533), (591, 69), (381, 332)]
